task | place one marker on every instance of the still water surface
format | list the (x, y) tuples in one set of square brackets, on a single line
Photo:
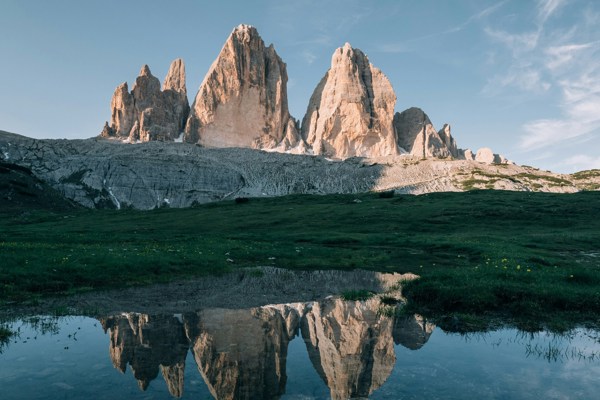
[(318, 350)]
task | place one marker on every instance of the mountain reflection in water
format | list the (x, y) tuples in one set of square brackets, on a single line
[(241, 354)]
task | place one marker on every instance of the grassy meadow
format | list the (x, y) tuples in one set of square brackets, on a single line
[(529, 259)]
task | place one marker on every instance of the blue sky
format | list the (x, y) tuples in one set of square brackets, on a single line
[(519, 76)]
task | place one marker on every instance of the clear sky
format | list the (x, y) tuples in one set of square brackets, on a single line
[(519, 76)]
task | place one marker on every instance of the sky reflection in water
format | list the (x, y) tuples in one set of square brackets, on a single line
[(326, 349)]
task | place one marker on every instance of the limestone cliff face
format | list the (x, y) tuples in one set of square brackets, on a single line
[(448, 141), (241, 354), (147, 112), (350, 112), (350, 346), (416, 135), (242, 101), (149, 344)]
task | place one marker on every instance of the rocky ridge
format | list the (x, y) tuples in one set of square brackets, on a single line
[(109, 174), (242, 102)]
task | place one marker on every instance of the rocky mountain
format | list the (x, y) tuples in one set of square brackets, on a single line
[(350, 345), (243, 353), (148, 113), (149, 344), (350, 112), (21, 190), (242, 101), (99, 173)]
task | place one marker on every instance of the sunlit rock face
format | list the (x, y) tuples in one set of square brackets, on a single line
[(486, 155), (350, 346), (148, 113), (241, 354), (350, 112), (242, 101), (149, 344)]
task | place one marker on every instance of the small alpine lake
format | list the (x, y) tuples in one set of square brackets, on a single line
[(308, 350)]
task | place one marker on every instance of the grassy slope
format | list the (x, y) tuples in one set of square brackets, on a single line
[(521, 256)]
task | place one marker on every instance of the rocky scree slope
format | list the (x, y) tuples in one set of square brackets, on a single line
[(101, 173)]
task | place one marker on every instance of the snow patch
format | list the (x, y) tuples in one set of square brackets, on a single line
[(167, 201), (130, 142), (6, 156), (179, 139), (114, 198)]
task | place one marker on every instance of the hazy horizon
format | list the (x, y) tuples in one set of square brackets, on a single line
[(520, 77)]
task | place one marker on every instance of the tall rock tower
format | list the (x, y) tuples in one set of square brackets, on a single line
[(351, 111), (242, 101), (147, 113)]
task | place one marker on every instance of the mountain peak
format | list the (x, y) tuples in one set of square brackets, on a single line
[(242, 101), (175, 79), (145, 71), (350, 112)]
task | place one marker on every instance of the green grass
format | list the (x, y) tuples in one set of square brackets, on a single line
[(513, 255), (549, 178), (357, 295), (591, 173)]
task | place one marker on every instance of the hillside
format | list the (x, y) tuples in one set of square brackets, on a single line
[(20, 191), (99, 173)]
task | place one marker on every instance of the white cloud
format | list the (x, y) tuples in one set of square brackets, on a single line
[(581, 162), (517, 42), (553, 55), (477, 16), (523, 77), (559, 56), (403, 47), (547, 132), (548, 7)]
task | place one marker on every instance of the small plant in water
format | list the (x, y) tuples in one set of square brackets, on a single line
[(357, 295), (5, 335)]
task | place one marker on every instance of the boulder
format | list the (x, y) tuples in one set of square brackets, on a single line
[(486, 155)]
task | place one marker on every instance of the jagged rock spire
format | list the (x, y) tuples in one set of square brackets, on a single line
[(242, 101), (175, 79), (351, 111), (147, 113)]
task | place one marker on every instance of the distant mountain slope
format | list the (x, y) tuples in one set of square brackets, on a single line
[(100, 173)]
